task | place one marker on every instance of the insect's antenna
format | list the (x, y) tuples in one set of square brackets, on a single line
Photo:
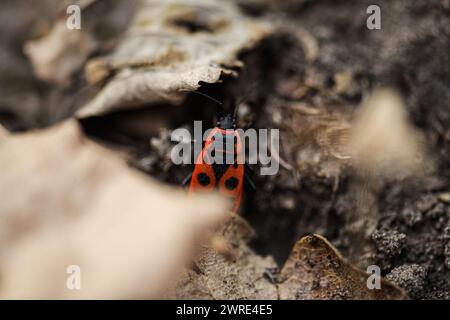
[(236, 107), (206, 96), (245, 97)]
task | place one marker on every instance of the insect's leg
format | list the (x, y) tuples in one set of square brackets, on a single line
[(249, 182), (272, 274), (197, 269), (187, 179)]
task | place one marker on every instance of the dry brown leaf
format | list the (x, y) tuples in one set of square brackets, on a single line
[(239, 274), (171, 46), (316, 270), (61, 53), (67, 201), (319, 141)]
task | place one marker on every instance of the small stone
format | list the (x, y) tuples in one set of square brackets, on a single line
[(445, 196), (447, 263), (287, 202), (412, 216), (426, 203), (391, 243), (437, 211), (409, 277), (446, 235)]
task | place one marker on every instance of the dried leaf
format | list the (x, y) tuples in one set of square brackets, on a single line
[(61, 53), (66, 201), (170, 47), (316, 270), (236, 275)]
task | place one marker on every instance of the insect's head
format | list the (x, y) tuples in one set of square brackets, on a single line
[(227, 118), (226, 121)]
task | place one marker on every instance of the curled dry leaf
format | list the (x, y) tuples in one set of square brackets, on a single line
[(316, 270), (230, 270), (171, 46), (66, 201), (57, 56), (319, 142)]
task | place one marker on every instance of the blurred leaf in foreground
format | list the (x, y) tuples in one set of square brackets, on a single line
[(66, 201)]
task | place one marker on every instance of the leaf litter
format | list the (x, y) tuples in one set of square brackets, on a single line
[(170, 47)]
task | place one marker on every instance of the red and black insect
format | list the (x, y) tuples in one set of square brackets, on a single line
[(226, 177)]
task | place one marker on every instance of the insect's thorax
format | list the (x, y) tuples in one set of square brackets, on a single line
[(225, 146), (226, 122)]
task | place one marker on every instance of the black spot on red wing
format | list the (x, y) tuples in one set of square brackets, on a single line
[(203, 179), (231, 183)]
